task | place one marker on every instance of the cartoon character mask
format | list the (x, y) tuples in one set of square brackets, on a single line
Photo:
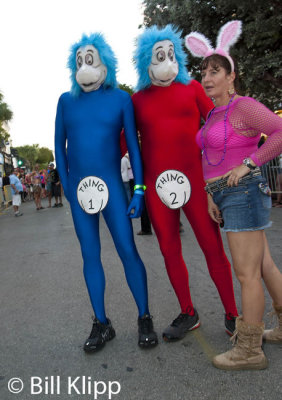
[(164, 67), (147, 53), (90, 71)]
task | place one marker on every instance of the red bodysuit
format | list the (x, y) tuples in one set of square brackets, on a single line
[(168, 119)]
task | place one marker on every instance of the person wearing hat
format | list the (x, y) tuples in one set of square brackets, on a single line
[(16, 188)]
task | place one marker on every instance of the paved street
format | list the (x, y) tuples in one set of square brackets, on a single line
[(46, 317)]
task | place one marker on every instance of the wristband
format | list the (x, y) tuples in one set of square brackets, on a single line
[(139, 192), (143, 187)]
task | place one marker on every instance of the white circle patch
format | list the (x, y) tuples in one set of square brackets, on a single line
[(92, 194), (173, 188)]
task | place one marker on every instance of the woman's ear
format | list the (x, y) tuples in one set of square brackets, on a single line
[(231, 77)]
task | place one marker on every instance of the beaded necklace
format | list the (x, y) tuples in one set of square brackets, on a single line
[(225, 133)]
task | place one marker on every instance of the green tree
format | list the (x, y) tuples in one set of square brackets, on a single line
[(127, 88), (33, 154), (259, 50), (29, 154), (5, 116), (44, 156)]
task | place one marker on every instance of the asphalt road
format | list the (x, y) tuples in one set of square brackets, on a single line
[(46, 317)]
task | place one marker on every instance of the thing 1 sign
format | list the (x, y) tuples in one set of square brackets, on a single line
[(92, 194)]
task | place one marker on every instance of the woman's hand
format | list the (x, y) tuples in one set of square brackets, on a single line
[(236, 174), (214, 211)]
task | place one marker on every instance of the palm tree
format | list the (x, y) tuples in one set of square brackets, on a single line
[(5, 116)]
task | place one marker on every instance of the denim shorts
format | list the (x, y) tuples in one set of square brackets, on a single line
[(244, 207)]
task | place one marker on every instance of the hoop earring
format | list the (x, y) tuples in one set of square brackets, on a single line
[(231, 91)]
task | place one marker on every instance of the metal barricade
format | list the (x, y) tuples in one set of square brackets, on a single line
[(272, 171)]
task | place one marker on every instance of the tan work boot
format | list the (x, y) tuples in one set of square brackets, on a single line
[(275, 335), (247, 352)]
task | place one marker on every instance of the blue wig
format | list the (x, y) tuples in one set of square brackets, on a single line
[(107, 57), (143, 53)]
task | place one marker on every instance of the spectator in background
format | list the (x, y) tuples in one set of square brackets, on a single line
[(37, 187), (146, 228), (130, 176), (125, 166), (24, 191), (28, 185), (16, 188), (48, 187), (43, 182), (56, 186), (6, 180)]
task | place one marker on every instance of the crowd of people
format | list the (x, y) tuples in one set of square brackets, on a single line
[(34, 186)]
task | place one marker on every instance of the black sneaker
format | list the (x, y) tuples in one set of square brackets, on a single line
[(229, 325), (180, 326), (100, 334), (147, 336), (60, 205)]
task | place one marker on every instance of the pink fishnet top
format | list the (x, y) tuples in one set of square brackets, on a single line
[(246, 120)]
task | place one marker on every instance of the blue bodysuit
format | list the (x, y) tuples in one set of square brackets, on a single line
[(87, 143)]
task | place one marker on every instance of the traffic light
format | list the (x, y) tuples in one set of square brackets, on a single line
[(20, 163)]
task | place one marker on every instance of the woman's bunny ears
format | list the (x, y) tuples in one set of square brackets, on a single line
[(228, 35)]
